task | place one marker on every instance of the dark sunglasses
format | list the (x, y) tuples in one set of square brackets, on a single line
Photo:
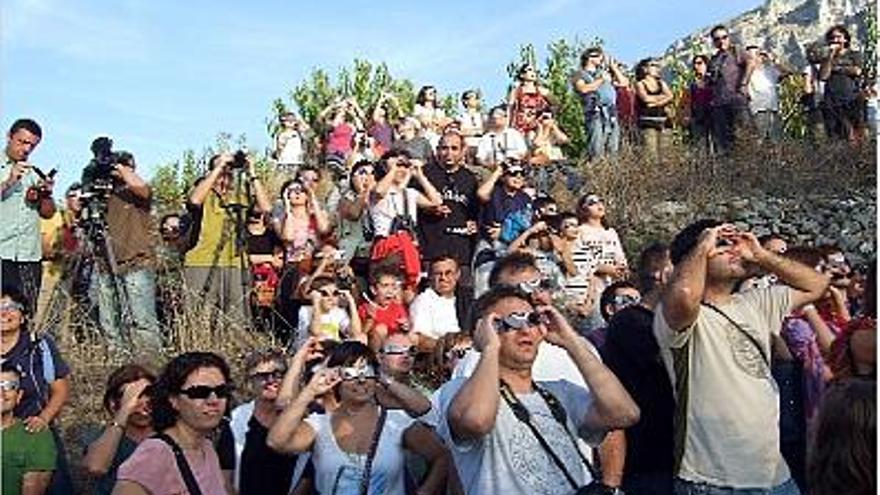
[(328, 293), (204, 391), (719, 38), (517, 173), (268, 376), (364, 171), (519, 321)]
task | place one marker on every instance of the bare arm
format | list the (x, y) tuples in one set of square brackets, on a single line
[(808, 285), (59, 394), (474, 408), (617, 76), (431, 198), (384, 185), (612, 407), (588, 87), (35, 482), (125, 487), (612, 454), (289, 388), (423, 442), (484, 192), (133, 182), (410, 400), (289, 434), (203, 188), (824, 336), (682, 296), (322, 220), (100, 453)]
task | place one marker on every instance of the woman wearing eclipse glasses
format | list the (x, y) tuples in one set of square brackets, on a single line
[(358, 447)]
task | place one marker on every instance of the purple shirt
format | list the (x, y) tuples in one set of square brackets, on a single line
[(726, 71)]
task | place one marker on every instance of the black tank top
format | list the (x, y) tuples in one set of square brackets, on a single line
[(652, 117)]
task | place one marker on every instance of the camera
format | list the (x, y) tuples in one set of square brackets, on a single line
[(105, 159), (239, 160)]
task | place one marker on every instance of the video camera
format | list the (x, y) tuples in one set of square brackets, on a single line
[(105, 159)]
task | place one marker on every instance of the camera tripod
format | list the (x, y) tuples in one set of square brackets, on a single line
[(94, 251)]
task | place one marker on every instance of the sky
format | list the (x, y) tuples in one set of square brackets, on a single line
[(164, 76)]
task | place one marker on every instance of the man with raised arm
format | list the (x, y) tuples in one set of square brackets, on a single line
[(715, 343)]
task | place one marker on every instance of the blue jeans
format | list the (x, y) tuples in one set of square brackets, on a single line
[(683, 487), (603, 133), (136, 293)]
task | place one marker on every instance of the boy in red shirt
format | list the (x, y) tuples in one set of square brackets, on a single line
[(386, 314)]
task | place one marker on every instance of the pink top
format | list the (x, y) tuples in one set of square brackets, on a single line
[(339, 139), (153, 467)]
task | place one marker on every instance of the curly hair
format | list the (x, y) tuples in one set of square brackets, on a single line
[(173, 377), (120, 377)]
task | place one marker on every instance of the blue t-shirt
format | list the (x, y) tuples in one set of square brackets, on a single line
[(30, 356), (606, 93), (503, 205)]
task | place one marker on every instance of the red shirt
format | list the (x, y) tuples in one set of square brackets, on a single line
[(394, 316)]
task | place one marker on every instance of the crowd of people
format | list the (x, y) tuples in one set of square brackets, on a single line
[(443, 324)]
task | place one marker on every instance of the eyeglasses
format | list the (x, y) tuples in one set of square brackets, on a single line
[(202, 392), (9, 385), (268, 376), (457, 353), (531, 286), (625, 300), (398, 350), (359, 374), (11, 306), (519, 321)]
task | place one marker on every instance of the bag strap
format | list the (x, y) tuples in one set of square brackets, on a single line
[(558, 411), (371, 454), (742, 330), (182, 465)]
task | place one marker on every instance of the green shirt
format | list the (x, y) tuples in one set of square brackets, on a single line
[(23, 453)]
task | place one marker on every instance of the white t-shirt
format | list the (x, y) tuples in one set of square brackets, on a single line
[(509, 460), (763, 89), (433, 315), (506, 144), (472, 125), (730, 398), (335, 324), (391, 205), (602, 244), (340, 472), (292, 152)]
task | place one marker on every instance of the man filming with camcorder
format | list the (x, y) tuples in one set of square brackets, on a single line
[(25, 197), (117, 224)]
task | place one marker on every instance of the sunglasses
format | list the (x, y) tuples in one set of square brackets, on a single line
[(11, 306), (516, 173), (591, 200), (202, 392), (457, 353), (531, 286), (295, 190), (398, 350), (519, 321), (268, 376), (720, 38), (9, 385), (359, 374), (364, 171)]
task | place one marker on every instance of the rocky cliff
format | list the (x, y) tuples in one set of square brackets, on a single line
[(784, 27)]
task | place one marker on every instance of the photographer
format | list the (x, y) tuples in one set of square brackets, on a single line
[(25, 197), (214, 267), (119, 200), (841, 70)]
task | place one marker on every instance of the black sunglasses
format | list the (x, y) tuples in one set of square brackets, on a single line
[(457, 353), (223, 391)]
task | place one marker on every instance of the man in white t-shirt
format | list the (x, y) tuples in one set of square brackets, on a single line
[(433, 313), (716, 345), (486, 418), (764, 94), (500, 143)]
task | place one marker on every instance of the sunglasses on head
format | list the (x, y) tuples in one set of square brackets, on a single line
[(398, 350), (530, 286), (268, 376), (9, 385), (519, 321), (359, 374), (626, 300), (196, 392)]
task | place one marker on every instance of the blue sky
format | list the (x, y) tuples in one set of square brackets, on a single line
[(163, 76)]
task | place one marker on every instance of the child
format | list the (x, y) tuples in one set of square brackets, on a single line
[(386, 314), (333, 314)]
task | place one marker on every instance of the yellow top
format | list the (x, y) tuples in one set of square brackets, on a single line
[(216, 226)]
